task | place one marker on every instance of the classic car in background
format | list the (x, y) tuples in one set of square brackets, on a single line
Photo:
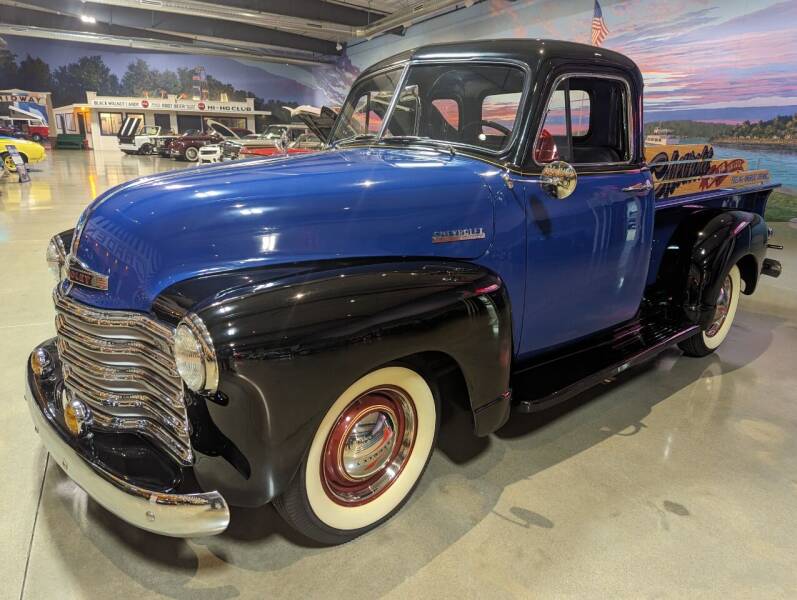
[(289, 329), (210, 153), (186, 147), (31, 152), (137, 138), (305, 143), (292, 138), (231, 148), (29, 125), (8, 129)]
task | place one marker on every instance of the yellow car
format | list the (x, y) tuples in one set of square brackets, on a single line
[(31, 152)]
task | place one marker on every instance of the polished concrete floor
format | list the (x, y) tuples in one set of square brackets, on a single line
[(679, 480)]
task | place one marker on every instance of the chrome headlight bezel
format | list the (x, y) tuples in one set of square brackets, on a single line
[(195, 356), (56, 257)]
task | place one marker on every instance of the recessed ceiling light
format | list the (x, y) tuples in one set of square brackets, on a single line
[(87, 19)]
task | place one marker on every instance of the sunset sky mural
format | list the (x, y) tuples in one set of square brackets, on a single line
[(702, 59)]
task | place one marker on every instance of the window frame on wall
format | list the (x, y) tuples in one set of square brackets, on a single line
[(162, 116), (102, 128), (182, 117), (630, 121)]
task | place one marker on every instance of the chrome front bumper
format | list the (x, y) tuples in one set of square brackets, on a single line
[(176, 515)]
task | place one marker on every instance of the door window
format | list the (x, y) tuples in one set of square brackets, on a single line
[(587, 121)]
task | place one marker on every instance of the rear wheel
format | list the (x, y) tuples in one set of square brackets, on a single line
[(36, 137), (366, 457), (191, 154), (145, 149), (709, 340)]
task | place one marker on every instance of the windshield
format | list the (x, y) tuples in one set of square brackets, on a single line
[(472, 104), (273, 132), (366, 106)]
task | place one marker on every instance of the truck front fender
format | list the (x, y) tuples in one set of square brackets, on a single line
[(288, 347)]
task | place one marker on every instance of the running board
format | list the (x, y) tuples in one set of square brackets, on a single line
[(548, 382)]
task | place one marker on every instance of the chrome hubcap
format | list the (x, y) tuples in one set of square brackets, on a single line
[(723, 306), (368, 446)]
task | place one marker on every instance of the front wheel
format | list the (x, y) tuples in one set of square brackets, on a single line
[(36, 138), (707, 341), (191, 154), (366, 457), (9, 163), (145, 149)]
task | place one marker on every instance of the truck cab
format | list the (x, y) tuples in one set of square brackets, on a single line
[(485, 227)]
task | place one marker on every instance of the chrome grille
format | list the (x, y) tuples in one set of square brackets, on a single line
[(121, 365)]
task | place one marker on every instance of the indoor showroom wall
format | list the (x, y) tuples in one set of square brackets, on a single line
[(702, 59)]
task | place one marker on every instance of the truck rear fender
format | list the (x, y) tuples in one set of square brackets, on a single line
[(701, 251)]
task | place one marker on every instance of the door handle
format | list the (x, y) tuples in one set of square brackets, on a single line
[(638, 188)]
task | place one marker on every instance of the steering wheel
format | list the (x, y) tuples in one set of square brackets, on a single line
[(505, 130)]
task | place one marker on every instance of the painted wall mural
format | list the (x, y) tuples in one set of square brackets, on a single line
[(719, 70), (717, 60), (69, 70)]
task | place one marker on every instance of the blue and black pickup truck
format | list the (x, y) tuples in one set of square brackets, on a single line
[(483, 228)]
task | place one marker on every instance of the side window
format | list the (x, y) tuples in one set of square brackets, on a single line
[(579, 111), (587, 121)]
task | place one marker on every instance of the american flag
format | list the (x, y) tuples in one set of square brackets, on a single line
[(599, 31)]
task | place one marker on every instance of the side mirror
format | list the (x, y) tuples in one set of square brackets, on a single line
[(558, 179)]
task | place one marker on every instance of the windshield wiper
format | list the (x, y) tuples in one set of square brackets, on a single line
[(354, 138)]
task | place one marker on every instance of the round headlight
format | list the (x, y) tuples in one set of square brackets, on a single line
[(56, 258), (194, 355)]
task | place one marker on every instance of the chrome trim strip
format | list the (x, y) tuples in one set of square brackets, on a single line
[(175, 515)]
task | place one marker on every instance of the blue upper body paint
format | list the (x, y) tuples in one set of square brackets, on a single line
[(375, 202)]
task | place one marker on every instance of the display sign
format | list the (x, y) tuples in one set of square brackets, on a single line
[(19, 163), (169, 104), (689, 169), (10, 96)]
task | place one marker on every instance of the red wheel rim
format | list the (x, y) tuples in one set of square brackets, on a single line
[(368, 446)]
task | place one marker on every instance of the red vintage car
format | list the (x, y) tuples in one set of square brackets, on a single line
[(304, 144)]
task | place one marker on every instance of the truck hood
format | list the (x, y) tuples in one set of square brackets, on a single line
[(152, 232)]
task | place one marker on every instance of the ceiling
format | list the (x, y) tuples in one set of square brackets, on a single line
[(290, 31)]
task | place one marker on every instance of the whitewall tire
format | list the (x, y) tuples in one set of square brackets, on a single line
[(710, 339), (366, 457), (191, 154)]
